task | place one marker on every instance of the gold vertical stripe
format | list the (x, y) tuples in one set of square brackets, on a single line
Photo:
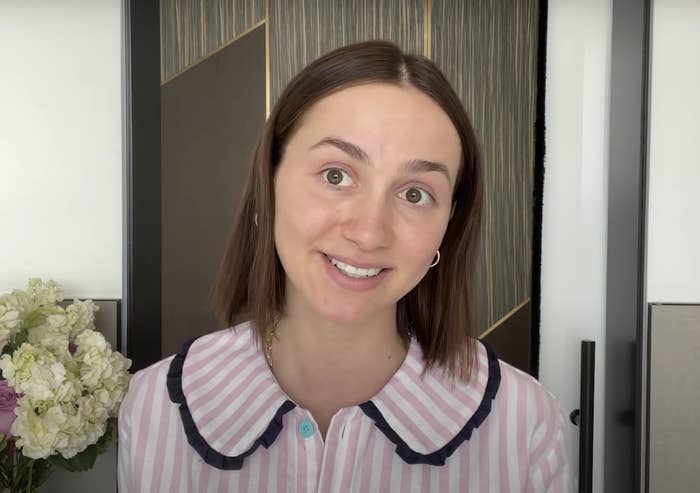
[(267, 58), (427, 24)]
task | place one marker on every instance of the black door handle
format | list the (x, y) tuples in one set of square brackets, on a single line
[(583, 418)]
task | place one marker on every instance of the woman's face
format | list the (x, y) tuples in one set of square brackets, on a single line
[(362, 199)]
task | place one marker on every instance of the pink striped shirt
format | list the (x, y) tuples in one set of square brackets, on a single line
[(213, 418)]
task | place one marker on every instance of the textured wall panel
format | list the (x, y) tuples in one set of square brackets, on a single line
[(488, 51), (210, 119), (510, 338), (192, 29), (674, 380), (302, 30)]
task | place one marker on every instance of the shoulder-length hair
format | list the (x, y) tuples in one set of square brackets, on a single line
[(440, 310)]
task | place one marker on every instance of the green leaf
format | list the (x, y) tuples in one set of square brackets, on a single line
[(41, 472), (19, 339), (109, 435), (86, 459), (79, 462)]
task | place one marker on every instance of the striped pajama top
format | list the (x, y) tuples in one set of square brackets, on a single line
[(212, 418)]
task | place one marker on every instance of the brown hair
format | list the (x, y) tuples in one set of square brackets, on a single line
[(440, 310)]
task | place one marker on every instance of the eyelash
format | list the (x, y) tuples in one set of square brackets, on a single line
[(427, 194)]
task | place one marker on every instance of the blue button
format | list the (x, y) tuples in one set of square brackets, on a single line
[(306, 428)]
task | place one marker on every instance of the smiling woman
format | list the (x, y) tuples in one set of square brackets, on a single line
[(378, 122), (358, 200), (352, 261)]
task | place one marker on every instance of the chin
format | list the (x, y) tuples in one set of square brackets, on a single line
[(343, 313)]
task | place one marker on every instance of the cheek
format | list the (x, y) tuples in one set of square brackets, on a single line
[(419, 244), (299, 218)]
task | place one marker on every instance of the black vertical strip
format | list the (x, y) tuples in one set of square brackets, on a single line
[(626, 283), (538, 191), (646, 394), (120, 327), (142, 280), (641, 374), (587, 403)]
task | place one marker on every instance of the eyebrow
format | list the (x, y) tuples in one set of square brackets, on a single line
[(410, 166)]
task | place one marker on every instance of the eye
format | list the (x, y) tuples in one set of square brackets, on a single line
[(416, 196), (337, 177)]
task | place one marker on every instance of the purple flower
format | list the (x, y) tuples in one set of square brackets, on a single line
[(8, 402)]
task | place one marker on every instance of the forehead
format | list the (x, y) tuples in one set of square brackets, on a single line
[(387, 121)]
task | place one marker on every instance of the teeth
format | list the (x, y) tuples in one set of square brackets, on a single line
[(353, 271)]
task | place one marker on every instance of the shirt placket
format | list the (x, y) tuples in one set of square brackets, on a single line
[(330, 468)]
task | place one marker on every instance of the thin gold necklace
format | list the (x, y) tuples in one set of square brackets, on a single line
[(268, 346)]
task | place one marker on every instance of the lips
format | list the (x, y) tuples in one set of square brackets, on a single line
[(353, 263), (351, 279)]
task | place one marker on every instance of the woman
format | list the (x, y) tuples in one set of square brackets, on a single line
[(352, 259)]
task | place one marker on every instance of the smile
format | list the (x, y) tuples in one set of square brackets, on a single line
[(352, 271)]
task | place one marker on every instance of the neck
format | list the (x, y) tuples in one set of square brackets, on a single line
[(314, 344), (344, 363)]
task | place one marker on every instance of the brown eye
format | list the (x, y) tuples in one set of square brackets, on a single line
[(413, 195), (335, 176), (416, 196)]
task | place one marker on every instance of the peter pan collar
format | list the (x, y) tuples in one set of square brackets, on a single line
[(230, 402)]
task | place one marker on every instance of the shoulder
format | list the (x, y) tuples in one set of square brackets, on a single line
[(147, 380), (533, 401), (150, 383), (518, 381)]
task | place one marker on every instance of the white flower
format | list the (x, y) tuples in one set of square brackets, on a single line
[(16, 300), (52, 334), (24, 310), (38, 434), (44, 293), (93, 357), (38, 294), (81, 316), (102, 370), (9, 323), (90, 425), (9, 318), (69, 380), (33, 371)]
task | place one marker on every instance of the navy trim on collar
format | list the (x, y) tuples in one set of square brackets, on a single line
[(438, 457), (195, 439)]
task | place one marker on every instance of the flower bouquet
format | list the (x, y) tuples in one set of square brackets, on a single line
[(60, 388)]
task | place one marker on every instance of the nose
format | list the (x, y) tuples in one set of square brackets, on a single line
[(368, 223)]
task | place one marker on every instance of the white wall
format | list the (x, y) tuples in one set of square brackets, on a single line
[(673, 241), (61, 145), (574, 229)]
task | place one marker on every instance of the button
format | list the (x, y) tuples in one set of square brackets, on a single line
[(306, 428)]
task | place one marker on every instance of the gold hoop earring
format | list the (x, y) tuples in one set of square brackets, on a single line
[(435, 262)]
